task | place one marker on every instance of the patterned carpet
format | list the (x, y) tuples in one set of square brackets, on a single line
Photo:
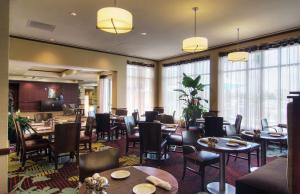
[(40, 177)]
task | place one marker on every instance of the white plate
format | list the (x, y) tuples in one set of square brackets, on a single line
[(144, 188), (232, 144), (275, 134), (120, 174)]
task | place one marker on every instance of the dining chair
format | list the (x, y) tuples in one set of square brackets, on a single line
[(86, 136), (29, 136), (30, 145), (103, 126), (132, 134), (192, 154), (66, 140), (136, 117), (121, 112), (151, 116), (233, 131), (213, 127), (158, 109), (151, 140), (266, 127), (96, 162)]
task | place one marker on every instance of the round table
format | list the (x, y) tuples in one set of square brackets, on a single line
[(164, 175), (264, 138), (222, 149)]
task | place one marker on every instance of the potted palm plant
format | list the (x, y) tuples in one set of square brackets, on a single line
[(190, 96)]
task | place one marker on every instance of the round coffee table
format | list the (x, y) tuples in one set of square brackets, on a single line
[(221, 148), (264, 138), (164, 175)]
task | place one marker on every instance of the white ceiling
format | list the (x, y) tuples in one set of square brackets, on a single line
[(20, 70), (166, 22)]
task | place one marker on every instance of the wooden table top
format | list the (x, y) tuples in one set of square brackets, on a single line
[(164, 175), (221, 146), (264, 136)]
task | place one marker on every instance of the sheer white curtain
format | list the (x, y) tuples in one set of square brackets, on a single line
[(105, 94), (171, 79), (140, 88), (259, 88)]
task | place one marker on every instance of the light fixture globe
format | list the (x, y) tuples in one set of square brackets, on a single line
[(114, 20), (194, 44), (238, 56)]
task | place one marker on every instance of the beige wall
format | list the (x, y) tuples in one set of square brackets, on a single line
[(4, 30), (214, 59), (44, 53)]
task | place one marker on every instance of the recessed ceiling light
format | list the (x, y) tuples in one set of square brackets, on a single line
[(144, 33), (73, 14), (52, 39)]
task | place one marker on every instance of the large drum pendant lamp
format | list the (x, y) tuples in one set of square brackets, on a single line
[(114, 20), (195, 44), (238, 55)]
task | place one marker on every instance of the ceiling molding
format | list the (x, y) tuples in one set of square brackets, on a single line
[(77, 47), (235, 43)]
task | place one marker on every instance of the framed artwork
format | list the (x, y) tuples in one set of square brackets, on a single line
[(52, 93)]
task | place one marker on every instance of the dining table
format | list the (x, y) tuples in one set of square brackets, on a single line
[(223, 147), (138, 175), (264, 138)]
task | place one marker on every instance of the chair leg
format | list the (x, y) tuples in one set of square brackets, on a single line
[(202, 173), (23, 156), (257, 157), (56, 161), (90, 145), (228, 156), (141, 157), (236, 156), (49, 155), (18, 148), (127, 145), (249, 162), (184, 169), (159, 159), (108, 134)]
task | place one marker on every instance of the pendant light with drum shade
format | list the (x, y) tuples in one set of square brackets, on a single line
[(114, 20), (238, 55), (195, 44)]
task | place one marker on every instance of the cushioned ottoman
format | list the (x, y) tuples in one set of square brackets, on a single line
[(268, 179)]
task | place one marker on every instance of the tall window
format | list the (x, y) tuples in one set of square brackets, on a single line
[(140, 88), (105, 94), (172, 77), (259, 88)]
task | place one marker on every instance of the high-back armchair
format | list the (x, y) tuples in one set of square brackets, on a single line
[(39, 117), (132, 135), (151, 116), (214, 127), (151, 140), (64, 145), (103, 125), (121, 111)]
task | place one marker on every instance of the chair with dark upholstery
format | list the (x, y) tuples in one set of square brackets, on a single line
[(86, 136), (151, 140), (213, 127), (268, 179), (30, 145), (132, 135), (210, 114), (121, 112), (151, 116), (95, 162), (164, 118), (193, 154), (66, 140), (103, 125), (234, 132), (39, 117), (158, 109), (266, 127), (30, 136), (136, 117)]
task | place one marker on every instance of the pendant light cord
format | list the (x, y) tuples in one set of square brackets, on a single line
[(195, 22), (238, 39)]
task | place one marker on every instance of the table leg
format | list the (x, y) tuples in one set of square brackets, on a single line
[(263, 152), (221, 187)]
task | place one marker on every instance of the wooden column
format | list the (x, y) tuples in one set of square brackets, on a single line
[(4, 45)]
